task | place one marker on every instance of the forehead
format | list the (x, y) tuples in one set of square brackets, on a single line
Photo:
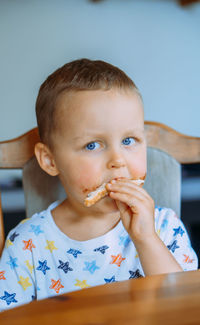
[(96, 109)]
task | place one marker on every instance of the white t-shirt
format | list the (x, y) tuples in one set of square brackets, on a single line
[(40, 261)]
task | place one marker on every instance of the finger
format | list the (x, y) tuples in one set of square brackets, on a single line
[(125, 213), (131, 201), (123, 208), (128, 188)]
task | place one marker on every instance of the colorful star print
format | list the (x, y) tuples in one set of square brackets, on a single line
[(110, 280), (91, 267), (43, 266), (50, 245), (24, 282), (56, 285), (135, 274), (9, 297), (82, 284), (28, 244), (13, 236), (61, 265), (64, 266), (12, 262), (173, 246), (29, 266), (117, 259), (8, 243), (101, 249), (158, 232), (179, 231), (164, 224), (74, 252), (36, 229), (124, 240), (2, 277), (187, 259)]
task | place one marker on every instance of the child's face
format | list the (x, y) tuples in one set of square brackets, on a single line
[(101, 137)]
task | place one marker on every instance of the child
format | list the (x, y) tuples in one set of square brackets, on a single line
[(91, 125)]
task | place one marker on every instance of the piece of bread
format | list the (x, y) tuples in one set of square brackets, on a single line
[(101, 192)]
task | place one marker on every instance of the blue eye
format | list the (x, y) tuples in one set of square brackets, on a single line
[(128, 141), (92, 146)]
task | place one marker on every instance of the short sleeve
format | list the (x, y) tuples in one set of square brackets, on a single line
[(174, 235), (16, 274)]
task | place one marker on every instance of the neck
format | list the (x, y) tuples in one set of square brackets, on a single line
[(84, 224)]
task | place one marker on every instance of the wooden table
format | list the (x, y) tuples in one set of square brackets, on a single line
[(157, 300)]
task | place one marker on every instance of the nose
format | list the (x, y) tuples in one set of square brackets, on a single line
[(116, 160)]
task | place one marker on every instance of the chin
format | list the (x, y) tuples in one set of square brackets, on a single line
[(107, 205)]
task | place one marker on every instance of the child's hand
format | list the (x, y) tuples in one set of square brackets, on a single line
[(136, 209)]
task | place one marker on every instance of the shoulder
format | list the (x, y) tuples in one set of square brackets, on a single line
[(29, 228), (173, 233), (170, 228), (164, 216), (167, 222), (164, 212)]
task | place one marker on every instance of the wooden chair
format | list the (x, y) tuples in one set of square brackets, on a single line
[(167, 150)]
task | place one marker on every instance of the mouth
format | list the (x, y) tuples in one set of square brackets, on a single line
[(100, 192)]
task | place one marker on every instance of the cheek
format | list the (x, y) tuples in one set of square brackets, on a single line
[(87, 176), (138, 168)]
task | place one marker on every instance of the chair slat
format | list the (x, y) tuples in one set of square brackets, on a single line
[(185, 149), (16, 152)]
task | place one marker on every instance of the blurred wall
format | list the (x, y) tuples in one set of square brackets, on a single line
[(157, 42)]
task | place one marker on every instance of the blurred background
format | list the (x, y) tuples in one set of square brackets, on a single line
[(156, 42)]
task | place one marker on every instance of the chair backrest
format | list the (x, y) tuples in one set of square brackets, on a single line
[(167, 150)]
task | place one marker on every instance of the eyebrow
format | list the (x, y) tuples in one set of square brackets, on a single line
[(138, 132)]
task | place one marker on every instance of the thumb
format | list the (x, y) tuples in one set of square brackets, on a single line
[(122, 207), (125, 212)]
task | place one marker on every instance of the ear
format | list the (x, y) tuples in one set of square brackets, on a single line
[(45, 159)]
